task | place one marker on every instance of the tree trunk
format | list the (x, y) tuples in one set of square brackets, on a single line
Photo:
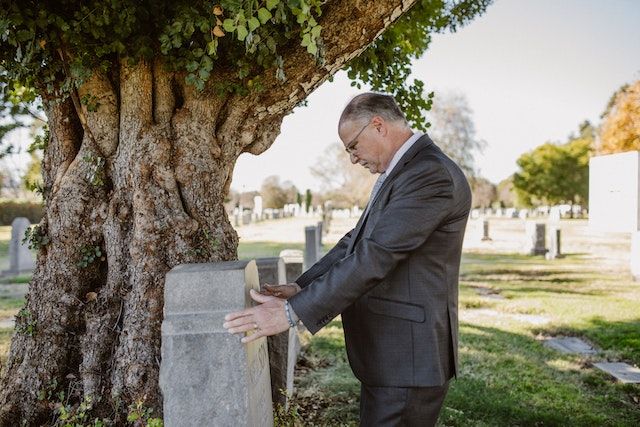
[(135, 185)]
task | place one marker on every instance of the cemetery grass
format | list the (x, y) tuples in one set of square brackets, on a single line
[(507, 377)]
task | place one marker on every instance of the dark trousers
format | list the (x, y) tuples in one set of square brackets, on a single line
[(401, 406)]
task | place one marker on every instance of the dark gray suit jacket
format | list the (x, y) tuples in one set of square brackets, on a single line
[(394, 277)]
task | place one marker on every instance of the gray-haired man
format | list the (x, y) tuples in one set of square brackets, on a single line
[(394, 277)]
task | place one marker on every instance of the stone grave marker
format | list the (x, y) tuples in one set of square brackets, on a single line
[(485, 230), (569, 345), (311, 253), (554, 244), (614, 198), (284, 347), (621, 371), (293, 259), (20, 257), (207, 376), (535, 241)]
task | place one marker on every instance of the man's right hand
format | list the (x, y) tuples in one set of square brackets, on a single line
[(281, 291)]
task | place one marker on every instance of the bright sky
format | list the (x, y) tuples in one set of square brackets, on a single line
[(532, 70)]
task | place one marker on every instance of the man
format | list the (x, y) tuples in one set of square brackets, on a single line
[(394, 277)]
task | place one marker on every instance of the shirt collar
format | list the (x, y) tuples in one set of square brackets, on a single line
[(403, 149)]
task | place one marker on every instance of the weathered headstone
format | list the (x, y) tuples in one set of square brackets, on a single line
[(554, 244), (293, 259), (207, 376), (485, 230), (20, 257), (319, 235), (246, 217), (283, 348), (311, 254), (257, 208), (621, 371), (569, 345), (535, 243)]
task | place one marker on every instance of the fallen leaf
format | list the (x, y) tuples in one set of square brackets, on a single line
[(217, 10), (91, 296), (217, 31)]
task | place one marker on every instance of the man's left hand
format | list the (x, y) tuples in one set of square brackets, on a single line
[(264, 320)]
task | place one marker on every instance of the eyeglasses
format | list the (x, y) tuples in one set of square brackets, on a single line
[(351, 146)]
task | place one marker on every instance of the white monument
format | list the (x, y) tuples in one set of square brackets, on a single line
[(614, 198)]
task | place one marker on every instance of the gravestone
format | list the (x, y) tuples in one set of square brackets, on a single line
[(623, 372), (311, 253), (319, 235), (293, 259), (207, 376), (535, 243), (20, 257), (257, 208), (569, 345), (614, 198), (554, 244), (485, 230), (284, 347)]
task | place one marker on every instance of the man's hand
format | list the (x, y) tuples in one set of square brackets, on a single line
[(281, 291), (264, 320)]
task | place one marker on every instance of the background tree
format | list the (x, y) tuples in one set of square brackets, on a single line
[(275, 194), (483, 192), (452, 128), (554, 173), (506, 194), (620, 128), (341, 182), (149, 105)]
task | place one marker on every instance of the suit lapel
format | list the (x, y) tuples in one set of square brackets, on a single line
[(423, 142)]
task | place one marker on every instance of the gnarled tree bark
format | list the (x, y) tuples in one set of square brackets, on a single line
[(157, 202)]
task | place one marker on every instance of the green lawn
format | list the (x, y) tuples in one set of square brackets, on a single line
[(506, 376)]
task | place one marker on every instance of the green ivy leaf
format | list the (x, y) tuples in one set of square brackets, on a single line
[(212, 47), (272, 3), (242, 32), (306, 40), (253, 23), (264, 15), (228, 25), (315, 31), (312, 48)]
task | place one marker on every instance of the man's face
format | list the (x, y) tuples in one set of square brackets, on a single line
[(363, 142)]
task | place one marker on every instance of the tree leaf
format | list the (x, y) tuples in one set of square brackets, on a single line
[(264, 15), (312, 48), (306, 40), (217, 10), (228, 25), (242, 32), (272, 3), (253, 23)]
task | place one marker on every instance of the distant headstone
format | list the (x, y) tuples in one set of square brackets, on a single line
[(319, 234), (311, 253), (257, 208), (20, 257), (207, 376), (283, 348), (554, 244), (569, 345), (246, 218), (485, 230), (621, 371), (535, 243), (293, 259)]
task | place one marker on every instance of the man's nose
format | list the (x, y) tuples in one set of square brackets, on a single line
[(353, 157)]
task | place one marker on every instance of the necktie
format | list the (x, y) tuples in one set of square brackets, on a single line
[(374, 191)]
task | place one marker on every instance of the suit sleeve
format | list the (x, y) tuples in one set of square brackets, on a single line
[(422, 197), (319, 268)]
